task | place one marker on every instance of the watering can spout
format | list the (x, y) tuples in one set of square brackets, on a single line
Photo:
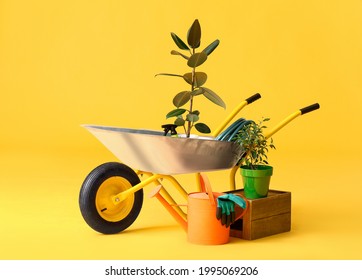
[(156, 193)]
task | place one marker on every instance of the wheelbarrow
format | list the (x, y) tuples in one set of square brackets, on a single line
[(111, 196)]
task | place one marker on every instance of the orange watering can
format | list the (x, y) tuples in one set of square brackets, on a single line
[(202, 225)]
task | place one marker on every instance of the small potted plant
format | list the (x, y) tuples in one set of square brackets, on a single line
[(255, 171), (188, 117)]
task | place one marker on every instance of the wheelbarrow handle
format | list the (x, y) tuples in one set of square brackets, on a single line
[(253, 98), (245, 102), (275, 129), (291, 117), (309, 108)]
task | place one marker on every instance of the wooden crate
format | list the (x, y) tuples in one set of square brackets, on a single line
[(265, 216)]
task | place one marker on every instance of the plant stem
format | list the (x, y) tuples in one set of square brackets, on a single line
[(189, 125), (191, 105)]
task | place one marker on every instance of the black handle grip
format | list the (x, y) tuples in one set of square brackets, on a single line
[(310, 108), (253, 98)]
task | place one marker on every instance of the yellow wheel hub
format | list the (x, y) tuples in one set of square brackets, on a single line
[(105, 206)]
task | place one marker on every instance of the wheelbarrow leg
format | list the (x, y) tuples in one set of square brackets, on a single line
[(118, 198), (166, 195)]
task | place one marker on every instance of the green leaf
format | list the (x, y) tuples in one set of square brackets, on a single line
[(181, 98), (210, 48), (196, 112), (194, 35), (213, 97), (179, 42), (256, 145), (203, 128), (167, 74), (188, 78), (197, 92), (175, 113), (192, 117), (179, 121), (181, 54), (197, 59), (200, 78)]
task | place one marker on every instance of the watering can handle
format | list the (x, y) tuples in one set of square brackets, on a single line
[(206, 187)]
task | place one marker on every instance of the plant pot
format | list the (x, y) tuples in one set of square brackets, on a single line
[(256, 181)]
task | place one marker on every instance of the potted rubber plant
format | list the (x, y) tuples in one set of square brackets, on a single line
[(189, 117), (254, 167)]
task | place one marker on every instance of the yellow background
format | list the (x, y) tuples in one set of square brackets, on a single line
[(66, 63)]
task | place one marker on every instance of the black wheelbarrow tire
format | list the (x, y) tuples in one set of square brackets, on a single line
[(95, 198)]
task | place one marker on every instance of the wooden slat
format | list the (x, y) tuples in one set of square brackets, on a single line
[(272, 205), (265, 216)]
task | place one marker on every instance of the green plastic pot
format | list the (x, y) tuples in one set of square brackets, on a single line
[(256, 181)]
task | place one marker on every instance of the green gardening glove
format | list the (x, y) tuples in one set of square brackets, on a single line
[(225, 210)]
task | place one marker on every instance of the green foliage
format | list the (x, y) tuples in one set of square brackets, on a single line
[(179, 42), (188, 118), (194, 35), (197, 59), (210, 48), (254, 143)]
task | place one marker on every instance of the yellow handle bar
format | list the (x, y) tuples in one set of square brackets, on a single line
[(247, 101), (291, 117), (272, 132)]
